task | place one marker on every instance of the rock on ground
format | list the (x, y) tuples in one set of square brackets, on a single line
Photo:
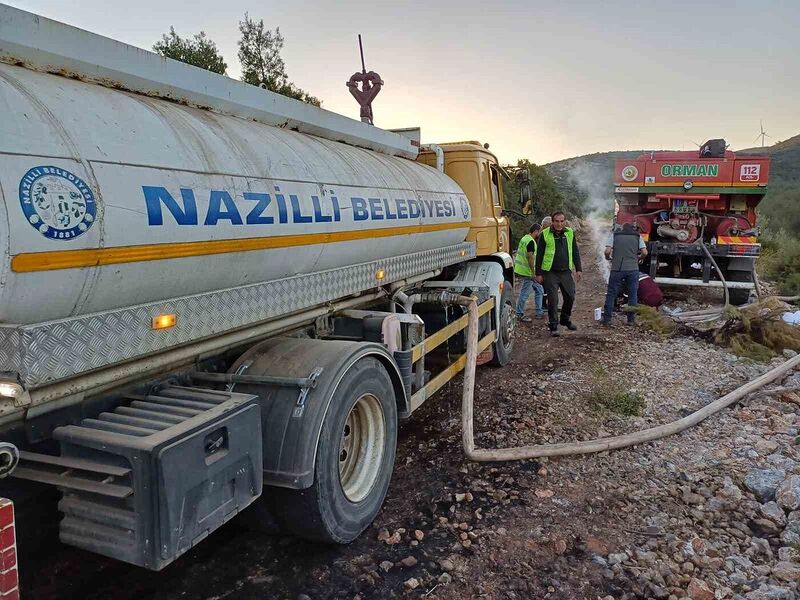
[(764, 482)]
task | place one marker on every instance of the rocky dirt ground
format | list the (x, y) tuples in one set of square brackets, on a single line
[(710, 513)]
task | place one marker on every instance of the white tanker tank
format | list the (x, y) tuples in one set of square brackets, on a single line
[(112, 198)]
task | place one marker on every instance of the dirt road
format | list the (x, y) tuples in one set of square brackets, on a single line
[(589, 527)]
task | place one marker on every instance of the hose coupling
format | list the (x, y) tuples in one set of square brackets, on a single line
[(9, 458)]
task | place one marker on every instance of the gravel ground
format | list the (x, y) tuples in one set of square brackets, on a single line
[(709, 513)]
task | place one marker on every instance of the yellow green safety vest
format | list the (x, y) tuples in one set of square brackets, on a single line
[(550, 248), (521, 266)]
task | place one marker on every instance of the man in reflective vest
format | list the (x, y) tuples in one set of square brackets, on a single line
[(556, 258), (524, 268)]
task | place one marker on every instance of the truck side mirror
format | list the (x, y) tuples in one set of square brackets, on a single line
[(523, 178), (526, 197)]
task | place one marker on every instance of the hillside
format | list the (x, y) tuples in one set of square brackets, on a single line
[(588, 179), (781, 207), (778, 148)]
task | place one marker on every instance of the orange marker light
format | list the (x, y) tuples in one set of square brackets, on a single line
[(164, 321), (380, 274)]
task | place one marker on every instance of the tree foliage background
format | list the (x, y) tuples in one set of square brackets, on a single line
[(260, 57), (197, 50), (779, 216), (547, 198)]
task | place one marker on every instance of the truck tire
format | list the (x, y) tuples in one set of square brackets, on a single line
[(504, 345), (738, 297), (354, 461)]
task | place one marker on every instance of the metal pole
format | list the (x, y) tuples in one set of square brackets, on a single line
[(361, 50)]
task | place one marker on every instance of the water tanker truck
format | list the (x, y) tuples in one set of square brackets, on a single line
[(214, 298), (697, 213)]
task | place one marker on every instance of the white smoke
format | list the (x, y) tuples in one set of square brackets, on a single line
[(595, 181), (599, 232)]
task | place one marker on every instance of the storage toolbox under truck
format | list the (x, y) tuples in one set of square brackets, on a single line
[(215, 298)]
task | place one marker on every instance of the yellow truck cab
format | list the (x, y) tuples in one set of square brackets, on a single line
[(478, 173)]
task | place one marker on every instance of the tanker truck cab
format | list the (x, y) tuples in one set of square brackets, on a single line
[(236, 325), (478, 173)]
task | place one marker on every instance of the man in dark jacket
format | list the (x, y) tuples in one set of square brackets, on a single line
[(557, 257), (624, 248)]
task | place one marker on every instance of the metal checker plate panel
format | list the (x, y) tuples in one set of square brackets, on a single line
[(45, 352)]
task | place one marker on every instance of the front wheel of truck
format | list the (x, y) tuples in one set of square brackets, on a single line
[(504, 345)]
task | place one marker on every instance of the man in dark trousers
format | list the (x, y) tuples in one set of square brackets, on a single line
[(623, 248), (556, 259)]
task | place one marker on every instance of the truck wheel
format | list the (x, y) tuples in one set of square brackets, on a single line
[(354, 461), (738, 297), (505, 330)]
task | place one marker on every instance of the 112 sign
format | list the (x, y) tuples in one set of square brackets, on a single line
[(750, 173)]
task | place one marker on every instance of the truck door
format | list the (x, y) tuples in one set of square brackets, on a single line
[(495, 180)]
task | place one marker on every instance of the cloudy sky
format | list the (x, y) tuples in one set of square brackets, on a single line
[(540, 80)]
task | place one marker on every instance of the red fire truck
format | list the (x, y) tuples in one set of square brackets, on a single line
[(697, 213)]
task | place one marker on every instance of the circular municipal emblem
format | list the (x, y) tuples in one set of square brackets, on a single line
[(630, 173), (464, 208), (58, 204)]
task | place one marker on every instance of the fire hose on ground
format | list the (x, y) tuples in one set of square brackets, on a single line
[(589, 446)]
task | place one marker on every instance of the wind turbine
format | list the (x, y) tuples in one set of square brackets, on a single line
[(762, 135)]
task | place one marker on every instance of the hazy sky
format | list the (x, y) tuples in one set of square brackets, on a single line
[(540, 80)]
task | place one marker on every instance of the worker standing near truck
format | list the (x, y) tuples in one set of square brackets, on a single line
[(525, 268), (557, 257), (624, 248)]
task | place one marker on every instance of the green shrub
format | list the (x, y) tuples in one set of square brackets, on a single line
[(653, 319), (757, 331), (780, 262), (614, 395), (743, 345)]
